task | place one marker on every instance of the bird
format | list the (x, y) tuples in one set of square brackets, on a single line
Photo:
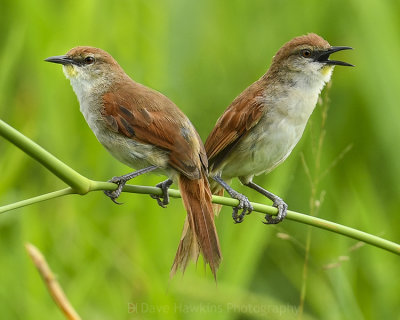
[(146, 131), (262, 125)]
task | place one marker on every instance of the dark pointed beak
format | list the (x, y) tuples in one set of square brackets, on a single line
[(324, 56), (60, 59)]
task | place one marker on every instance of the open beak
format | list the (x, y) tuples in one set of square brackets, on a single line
[(324, 56), (61, 60)]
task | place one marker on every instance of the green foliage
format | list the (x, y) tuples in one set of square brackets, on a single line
[(201, 54)]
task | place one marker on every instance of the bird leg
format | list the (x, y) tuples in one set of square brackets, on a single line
[(164, 186), (122, 180), (244, 203), (277, 203)]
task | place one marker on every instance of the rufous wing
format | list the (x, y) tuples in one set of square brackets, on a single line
[(147, 116), (242, 115)]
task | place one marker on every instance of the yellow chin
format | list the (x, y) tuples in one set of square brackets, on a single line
[(326, 70), (69, 71)]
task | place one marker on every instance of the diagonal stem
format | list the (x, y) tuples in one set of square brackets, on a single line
[(43, 197), (75, 180)]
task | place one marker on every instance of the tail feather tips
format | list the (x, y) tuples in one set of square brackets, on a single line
[(199, 232)]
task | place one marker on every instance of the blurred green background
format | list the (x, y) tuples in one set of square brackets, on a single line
[(114, 261)]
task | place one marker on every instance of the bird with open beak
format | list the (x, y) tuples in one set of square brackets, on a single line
[(260, 128)]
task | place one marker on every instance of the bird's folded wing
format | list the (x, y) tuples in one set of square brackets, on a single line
[(149, 117), (242, 115)]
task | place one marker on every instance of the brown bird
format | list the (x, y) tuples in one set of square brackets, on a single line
[(263, 124), (145, 130)]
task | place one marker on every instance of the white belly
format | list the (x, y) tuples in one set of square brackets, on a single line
[(262, 150), (272, 140), (134, 154)]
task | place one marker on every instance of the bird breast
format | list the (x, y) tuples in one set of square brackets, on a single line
[(272, 140)]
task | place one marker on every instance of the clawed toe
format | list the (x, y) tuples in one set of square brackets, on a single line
[(244, 205), (164, 186), (282, 212), (122, 180), (114, 194), (237, 218), (160, 200)]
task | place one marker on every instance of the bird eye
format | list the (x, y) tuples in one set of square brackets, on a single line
[(89, 60), (306, 53)]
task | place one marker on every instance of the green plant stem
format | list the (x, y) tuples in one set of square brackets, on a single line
[(260, 208), (43, 197), (75, 180), (82, 185)]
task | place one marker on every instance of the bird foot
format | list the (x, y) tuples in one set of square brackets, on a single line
[(282, 212), (114, 194), (244, 205), (164, 186)]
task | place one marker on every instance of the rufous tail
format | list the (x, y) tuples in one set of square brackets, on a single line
[(199, 232)]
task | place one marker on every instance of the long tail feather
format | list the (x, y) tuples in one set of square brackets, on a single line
[(199, 232)]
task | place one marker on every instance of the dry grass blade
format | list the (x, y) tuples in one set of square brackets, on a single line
[(51, 283)]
